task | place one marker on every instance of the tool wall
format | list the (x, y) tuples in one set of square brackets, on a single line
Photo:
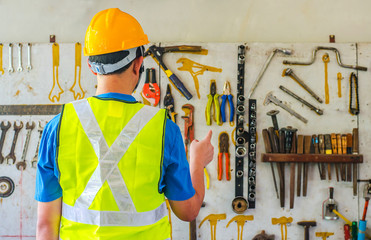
[(35, 86)]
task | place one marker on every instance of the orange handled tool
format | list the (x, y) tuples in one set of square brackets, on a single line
[(223, 150)]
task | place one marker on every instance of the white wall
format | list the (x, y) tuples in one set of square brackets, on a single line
[(287, 21)]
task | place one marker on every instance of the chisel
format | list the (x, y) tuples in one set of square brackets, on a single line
[(300, 150), (349, 151), (355, 149), (334, 151), (268, 149), (307, 145), (328, 150), (321, 144)]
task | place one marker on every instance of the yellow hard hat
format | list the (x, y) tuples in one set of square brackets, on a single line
[(112, 30)]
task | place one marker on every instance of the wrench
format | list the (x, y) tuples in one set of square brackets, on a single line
[(313, 108), (289, 72), (11, 155), (272, 99), (29, 67), (34, 159), (4, 129), (11, 69), (20, 68), (22, 163)]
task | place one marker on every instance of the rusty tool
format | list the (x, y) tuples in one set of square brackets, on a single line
[(265, 66), (40, 129), (157, 54), (300, 150), (326, 60), (189, 65), (213, 219), (240, 219), (321, 166), (307, 147), (290, 73), (328, 207), (321, 148), (355, 149), (349, 151), (330, 49), (22, 163), (188, 138), (78, 92), (4, 130), (343, 138), (328, 150), (268, 149), (324, 235), (263, 236), (335, 151), (283, 221), (307, 225), (292, 167), (273, 115), (11, 155), (6, 186), (224, 150)]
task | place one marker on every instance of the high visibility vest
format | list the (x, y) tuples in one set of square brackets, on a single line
[(109, 158)]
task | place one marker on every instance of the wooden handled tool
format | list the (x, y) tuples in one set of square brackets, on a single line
[(307, 145), (335, 151), (300, 150), (349, 151), (292, 172), (321, 148), (344, 151), (340, 151), (355, 149), (281, 168), (328, 150)]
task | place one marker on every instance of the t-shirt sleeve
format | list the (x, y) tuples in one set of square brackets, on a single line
[(176, 181), (47, 184)]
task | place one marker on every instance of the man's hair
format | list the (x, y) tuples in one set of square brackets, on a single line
[(110, 58)]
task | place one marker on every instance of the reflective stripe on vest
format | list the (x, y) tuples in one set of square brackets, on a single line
[(107, 170)]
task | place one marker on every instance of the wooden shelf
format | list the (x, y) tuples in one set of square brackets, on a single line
[(312, 158)]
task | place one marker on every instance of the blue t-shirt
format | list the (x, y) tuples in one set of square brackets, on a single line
[(175, 182)]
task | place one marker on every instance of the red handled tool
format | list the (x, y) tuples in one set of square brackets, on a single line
[(223, 150), (151, 90)]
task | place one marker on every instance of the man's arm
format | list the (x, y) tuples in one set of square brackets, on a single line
[(48, 219), (201, 153)]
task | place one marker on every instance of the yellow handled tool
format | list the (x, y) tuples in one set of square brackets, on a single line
[(213, 97), (213, 219), (240, 219), (78, 93), (52, 95), (326, 60), (1, 59), (283, 221)]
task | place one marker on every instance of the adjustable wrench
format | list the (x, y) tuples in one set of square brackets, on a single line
[(11, 155), (29, 67), (10, 69), (4, 129), (34, 159), (22, 163), (289, 72), (272, 99), (20, 68)]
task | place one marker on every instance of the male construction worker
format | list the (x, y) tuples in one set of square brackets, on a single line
[(106, 163)]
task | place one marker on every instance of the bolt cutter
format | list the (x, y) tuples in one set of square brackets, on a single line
[(151, 90)]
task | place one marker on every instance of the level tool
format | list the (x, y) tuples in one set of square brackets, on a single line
[(31, 109)]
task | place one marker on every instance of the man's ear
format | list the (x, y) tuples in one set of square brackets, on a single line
[(137, 63)]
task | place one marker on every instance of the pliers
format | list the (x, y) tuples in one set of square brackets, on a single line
[(151, 90), (227, 95), (169, 103), (223, 150), (213, 97)]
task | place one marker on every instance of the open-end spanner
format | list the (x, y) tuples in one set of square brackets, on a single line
[(272, 99), (40, 129), (11, 155), (20, 68), (10, 69), (22, 163), (29, 67), (4, 129)]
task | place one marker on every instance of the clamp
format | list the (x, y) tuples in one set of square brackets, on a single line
[(169, 103), (151, 90), (213, 97), (223, 150), (227, 96)]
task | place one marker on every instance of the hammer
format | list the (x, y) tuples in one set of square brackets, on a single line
[(307, 225)]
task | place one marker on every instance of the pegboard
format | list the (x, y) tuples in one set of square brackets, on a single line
[(34, 86)]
